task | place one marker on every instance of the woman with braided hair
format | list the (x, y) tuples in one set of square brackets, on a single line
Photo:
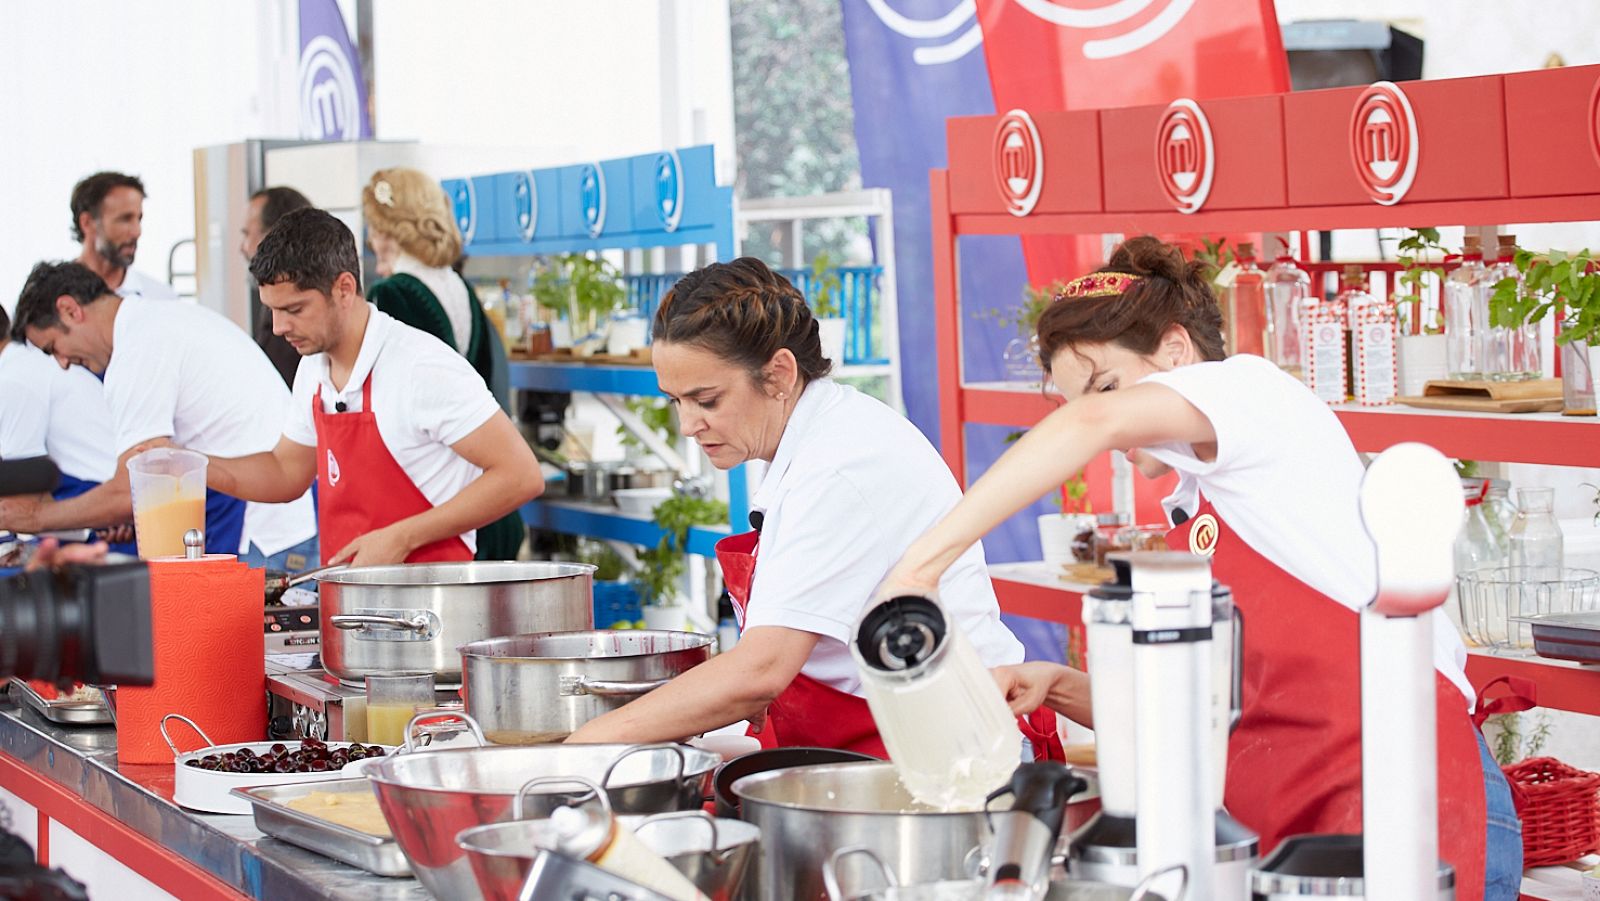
[(1268, 489), (848, 482)]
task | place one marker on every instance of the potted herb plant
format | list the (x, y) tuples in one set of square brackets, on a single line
[(662, 567), (1422, 355), (1566, 281), (824, 288), (587, 289)]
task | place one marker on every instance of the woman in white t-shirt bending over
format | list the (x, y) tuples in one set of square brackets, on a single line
[(1268, 488), (849, 482)]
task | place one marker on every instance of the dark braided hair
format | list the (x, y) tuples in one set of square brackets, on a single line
[(1171, 291), (744, 313)]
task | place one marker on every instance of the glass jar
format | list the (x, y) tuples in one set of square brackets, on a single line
[(1577, 381), (1535, 536), (1466, 314), (1288, 292), (1501, 513)]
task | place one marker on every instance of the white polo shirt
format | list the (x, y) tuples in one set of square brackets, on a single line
[(45, 409), (137, 284), (182, 371), (425, 398), (1287, 480), (852, 485)]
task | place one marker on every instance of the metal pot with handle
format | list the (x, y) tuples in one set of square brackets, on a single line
[(531, 689), (412, 617)]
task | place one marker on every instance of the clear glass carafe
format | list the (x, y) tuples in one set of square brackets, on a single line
[(1536, 536), (1466, 314), (1577, 381), (1511, 354)]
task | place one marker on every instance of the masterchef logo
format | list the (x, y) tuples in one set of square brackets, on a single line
[(333, 469), (1383, 142), (1594, 121), (1186, 156), (526, 201), (1118, 28), (1203, 537), (1018, 162)]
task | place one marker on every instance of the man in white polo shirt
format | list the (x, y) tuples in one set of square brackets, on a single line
[(411, 452), (49, 411), (175, 374), (107, 219)]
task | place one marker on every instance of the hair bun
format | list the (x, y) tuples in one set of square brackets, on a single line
[(1149, 256)]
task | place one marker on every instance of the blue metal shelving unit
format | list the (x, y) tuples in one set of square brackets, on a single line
[(666, 199)]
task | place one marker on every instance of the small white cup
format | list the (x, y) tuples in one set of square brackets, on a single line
[(1056, 531)]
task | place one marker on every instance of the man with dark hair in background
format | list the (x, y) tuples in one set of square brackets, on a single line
[(267, 206), (411, 453), (107, 218)]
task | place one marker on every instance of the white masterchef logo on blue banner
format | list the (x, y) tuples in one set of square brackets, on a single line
[(669, 190), (329, 109), (592, 194)]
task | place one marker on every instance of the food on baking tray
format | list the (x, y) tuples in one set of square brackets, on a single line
[(312, 756), (78, 693), (353, 810)]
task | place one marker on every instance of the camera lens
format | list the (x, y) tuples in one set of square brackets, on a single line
[(41, 628)]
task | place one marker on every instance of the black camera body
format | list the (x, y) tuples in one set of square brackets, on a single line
[(78, 624)]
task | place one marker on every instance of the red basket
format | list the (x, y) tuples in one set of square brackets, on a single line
[(1560, 810)]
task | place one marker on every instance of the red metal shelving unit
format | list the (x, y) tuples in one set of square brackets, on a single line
[(1518, 148)]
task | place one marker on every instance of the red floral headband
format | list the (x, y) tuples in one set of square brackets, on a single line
[(1099, 284)]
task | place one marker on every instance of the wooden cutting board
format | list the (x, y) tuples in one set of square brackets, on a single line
[(1537, 396)]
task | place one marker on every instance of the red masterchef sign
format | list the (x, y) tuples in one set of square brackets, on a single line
[(1383, 142), (1018, 162), (1594, 121), (1186, 156)]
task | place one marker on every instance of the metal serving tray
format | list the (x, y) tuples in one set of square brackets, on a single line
[(1566, 636), (67, 713), (375, 854)]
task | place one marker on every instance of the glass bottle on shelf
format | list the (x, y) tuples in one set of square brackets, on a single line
[(1577, 383), (1247, 301), (1515, 354), (1374, 376), (1288, 290), (1536, 536), (1466, 314), (1477, 548), (1501, 513), (1325, 348)]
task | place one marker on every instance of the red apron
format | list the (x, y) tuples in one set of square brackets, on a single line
[(1294, 762), (361, 487), (811, 714)]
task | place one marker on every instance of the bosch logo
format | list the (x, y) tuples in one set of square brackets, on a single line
[(464, 204), (1204, 536), (329, 108), (592, 195), (1594, 122), (1383, 142), (525, 200), (1186, 155), (1019, 162), (669, 190)]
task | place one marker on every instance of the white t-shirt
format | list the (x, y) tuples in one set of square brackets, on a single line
[(1287, 479), (45, 409), (184, 372), (448, 289), (137, 284), (425, 397), (852, 485)]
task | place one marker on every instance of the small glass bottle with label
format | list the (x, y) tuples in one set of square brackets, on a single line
[(1288, 289)]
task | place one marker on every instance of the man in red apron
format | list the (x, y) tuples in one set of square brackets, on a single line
[(411, 452)]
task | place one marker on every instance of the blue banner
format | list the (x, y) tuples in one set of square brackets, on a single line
[(331, 93), (913, 65)]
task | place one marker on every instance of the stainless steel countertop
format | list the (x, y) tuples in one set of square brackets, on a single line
[(83, 760)]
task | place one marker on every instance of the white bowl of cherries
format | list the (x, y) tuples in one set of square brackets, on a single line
[(205, 777)]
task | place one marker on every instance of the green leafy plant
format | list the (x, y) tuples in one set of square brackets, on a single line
[(661, 567), (656, 414), (1024, 316), (1417, 253), (1511, 745), (1213, 256), (587, 289), (825, 287), (1075, 494), (610, 565), (1549, 279)]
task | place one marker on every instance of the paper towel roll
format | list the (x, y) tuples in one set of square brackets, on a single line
[(210, 659)]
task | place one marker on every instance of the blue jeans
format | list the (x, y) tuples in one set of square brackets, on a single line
[(1502, 870)]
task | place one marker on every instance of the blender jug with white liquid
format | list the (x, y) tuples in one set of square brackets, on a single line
[(941, 715)]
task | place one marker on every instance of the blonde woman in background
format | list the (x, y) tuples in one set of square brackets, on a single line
[(412, 231)]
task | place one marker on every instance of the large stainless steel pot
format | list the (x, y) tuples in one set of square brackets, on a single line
[(413, 616), (429, 798), (531, 689), (805, 813)]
